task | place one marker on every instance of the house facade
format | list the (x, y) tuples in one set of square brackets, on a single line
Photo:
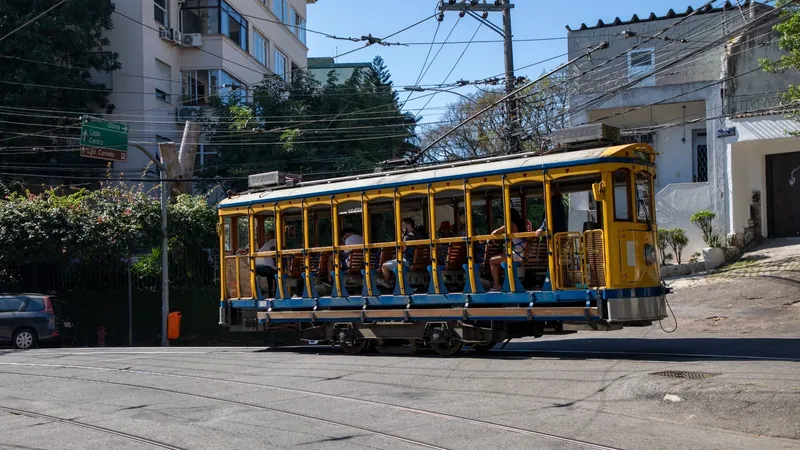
[(176, 54), (678, 82), (319, 68)]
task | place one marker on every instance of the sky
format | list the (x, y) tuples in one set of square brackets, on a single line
[(530, 19)]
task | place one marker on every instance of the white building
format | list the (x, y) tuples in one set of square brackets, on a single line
[(319, 68), (175, 54), (685, 109)]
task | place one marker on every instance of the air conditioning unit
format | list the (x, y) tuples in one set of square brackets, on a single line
[(165, 34), (185, 113), (585, 134), (177, 36), (193, 39)]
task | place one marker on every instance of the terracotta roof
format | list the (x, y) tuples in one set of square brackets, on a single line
[(670, 15)]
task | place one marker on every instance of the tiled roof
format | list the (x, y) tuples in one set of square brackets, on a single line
[(670, 15)]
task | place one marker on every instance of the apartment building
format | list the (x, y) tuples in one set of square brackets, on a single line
[(176, 54)]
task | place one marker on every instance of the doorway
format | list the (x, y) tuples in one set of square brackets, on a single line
[(783, 195)]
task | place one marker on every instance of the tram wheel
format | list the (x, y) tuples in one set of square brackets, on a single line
[(447, 349), (355, 347), (482, 349)]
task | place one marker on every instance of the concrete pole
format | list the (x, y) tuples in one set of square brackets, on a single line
[(512, 106)]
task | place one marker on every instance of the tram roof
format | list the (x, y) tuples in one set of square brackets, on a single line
[(442, 172)]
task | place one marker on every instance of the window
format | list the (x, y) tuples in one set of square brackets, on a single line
[(163, 82), (35, 304), (644, 197), (281, 65), (229, 88), (281, 10), (298, 25), (203, 156), (10, 304), (622, 194), (640, 63), (161, 13), (260, 48), (214, 17), (233, 25), (200, 85)]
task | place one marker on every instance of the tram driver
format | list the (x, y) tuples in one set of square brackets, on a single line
[(559, 214), (409, 234)]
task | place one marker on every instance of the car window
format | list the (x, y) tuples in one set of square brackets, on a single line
[(35, 304), (10, 304)]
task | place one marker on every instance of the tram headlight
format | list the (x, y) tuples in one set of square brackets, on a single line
[(650, 256)]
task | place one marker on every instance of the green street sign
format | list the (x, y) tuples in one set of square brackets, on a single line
[(108, 135)]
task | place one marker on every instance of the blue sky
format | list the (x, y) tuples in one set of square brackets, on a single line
[(530, 19)]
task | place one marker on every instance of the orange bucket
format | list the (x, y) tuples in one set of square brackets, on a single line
[(174, 325)]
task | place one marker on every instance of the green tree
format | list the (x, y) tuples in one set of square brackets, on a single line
[(789, 30), (70, 40), (677, 239), (314, 129)]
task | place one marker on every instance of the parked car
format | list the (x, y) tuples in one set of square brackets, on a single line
[(28, 319)]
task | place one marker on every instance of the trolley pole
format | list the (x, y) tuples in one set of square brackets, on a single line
[(162, 171)]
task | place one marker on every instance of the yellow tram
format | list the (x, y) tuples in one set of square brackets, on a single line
[(472, 265)]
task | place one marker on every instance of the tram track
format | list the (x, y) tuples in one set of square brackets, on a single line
[(428, 413), (72, 422)]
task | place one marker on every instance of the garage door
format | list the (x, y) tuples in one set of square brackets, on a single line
[(783, 194)]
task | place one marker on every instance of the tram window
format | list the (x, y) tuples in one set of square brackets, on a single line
[(325, 232), (644, 197), (242, 233), (226, 226), (292, 229), (622, 194)]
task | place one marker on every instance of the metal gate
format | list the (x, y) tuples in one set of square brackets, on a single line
[(783, 195)]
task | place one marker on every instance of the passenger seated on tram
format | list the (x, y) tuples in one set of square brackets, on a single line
[(350, 236), (409, 234), (559, 214), (518, 249), (265, 267)]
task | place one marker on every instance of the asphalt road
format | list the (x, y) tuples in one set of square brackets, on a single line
[(589, 391)]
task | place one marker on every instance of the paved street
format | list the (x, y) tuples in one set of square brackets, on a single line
[(737, 345), (584, 392)]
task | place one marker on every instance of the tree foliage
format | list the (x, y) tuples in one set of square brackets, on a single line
[(705, 221), (97, 227), (677, 239), (542, 108), (69, 41), (310, 128), (789, 30)]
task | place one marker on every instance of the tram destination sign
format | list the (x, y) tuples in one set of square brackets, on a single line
[(101, 139)]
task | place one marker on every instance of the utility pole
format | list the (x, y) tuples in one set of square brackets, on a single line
[(472, 7)]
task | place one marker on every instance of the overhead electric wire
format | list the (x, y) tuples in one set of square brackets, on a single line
[(38, 16)]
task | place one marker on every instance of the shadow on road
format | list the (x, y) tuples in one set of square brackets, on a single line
[(667, 349)]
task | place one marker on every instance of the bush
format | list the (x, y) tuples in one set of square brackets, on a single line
[(704, 220), (98, 228), (677, 239), (663, 234)]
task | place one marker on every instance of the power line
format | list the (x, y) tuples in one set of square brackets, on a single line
[(39, 16)]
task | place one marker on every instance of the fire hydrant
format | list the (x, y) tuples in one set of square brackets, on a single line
[(101, 336)]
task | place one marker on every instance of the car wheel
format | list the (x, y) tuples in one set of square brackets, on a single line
[(25, 339)]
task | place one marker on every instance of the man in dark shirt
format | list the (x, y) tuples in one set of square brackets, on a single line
[(559, 224)]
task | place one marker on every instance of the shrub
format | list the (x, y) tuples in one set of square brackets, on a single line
[(704, 220), (718, 240), (662, 244), (676, 238), (695, 257)]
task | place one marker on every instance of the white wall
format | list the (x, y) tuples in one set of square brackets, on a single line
[(756, 137), (675, 205)]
